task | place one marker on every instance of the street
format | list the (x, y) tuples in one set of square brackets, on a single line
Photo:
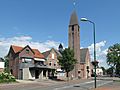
[(83, 86), (54, 85)]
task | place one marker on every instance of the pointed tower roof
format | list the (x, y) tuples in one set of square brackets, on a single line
[(60, 46), (73, 19)]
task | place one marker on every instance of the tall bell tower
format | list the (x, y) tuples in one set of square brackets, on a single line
[(74, 41)]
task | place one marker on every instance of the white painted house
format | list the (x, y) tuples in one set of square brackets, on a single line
[(99, 71), (2, 63)]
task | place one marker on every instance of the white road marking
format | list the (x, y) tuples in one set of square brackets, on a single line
[(73, 85), (64, 87), (104, 83)]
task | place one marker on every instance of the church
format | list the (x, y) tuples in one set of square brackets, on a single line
[(82, 68)]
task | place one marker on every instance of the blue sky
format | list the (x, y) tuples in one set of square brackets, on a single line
[(45, 22)]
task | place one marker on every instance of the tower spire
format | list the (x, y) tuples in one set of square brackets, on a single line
[(74, 19), (74, 41)]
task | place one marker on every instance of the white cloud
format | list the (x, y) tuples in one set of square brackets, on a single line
[(100, 52), (23, 41)]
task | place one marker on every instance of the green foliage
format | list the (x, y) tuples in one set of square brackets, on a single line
[(6, 61), (67, 60), (113, 57), (117, 69), (6, 70), (6, 78), (110, 71), (104, 70)]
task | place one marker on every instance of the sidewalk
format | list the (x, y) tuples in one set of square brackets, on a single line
[(53, 81), (43, 82), (112, 86)]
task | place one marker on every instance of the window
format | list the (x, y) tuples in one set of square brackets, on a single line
[(27, 60), (78, 71), (72, 27), (87, 67), (27, 51), (50, 63), (23, 60), (53, 56), (54, 64), (78, 29), (11, 71), (73, 40)]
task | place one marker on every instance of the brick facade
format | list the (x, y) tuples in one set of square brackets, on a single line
[(74, 43), (52, 61), (21, 58)]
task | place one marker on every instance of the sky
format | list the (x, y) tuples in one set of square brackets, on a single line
[(43, 24)]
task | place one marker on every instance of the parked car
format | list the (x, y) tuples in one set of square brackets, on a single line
[(117, 75)]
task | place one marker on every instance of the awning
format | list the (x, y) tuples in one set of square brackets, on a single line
[(38, 59), (59, 70)]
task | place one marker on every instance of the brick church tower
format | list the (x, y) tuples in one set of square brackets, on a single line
[(74, 41)]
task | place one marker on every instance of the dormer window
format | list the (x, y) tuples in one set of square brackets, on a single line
[(27, 51)]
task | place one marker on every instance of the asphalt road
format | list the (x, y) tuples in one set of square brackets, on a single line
[(87, 85), (82, 86)]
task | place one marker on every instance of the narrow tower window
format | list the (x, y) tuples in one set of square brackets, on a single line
[(73, 28), (72, 36)]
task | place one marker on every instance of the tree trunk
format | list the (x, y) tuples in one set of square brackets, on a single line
[(67, 76)]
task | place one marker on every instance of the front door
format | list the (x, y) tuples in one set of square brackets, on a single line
[(21, 74), (36, 74)]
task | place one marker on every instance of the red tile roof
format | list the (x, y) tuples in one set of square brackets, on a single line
[(46, 53), (16, 48), (37, 53)]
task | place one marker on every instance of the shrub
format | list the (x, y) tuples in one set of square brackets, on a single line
[(6, 78)]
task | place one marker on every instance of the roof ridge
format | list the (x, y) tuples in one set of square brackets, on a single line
[(36, 52), (25, 46)]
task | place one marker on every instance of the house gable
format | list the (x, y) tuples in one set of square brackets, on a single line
[(51, 58), (12, 53), (51, 54), (26, 52)]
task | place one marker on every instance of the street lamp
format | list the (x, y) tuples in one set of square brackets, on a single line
[(86, 20)]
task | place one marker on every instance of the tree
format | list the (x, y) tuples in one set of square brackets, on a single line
[(109, 71), (6, 65), (117, 69), (113, 57), (67, 60), (104, 70)]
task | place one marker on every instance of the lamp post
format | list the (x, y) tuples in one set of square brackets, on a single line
[(86, 20)]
